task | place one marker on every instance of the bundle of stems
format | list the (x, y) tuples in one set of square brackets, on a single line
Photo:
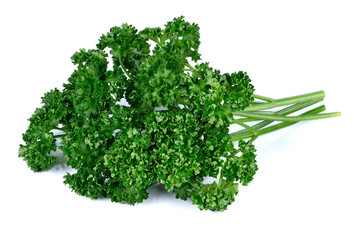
[(259, 111)]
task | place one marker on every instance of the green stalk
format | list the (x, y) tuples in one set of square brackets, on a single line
[(247, 128), (288, 110), (267, 99), (190, 67), (237, 136), (277, 117), (121, 64), (285, 101)]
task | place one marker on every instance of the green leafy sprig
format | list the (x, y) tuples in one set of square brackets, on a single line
[(175, 130)]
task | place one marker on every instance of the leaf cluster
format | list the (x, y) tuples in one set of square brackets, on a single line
[(174, 131)]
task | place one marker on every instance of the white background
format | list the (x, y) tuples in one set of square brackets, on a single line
[(304, 186)]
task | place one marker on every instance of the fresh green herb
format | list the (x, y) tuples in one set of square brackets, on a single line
[(175, 130)]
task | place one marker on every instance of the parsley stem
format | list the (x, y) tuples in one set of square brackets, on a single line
[(288, 110), (140, 54), (256, 102), (237, 136), (157, 41), (267, 99), (285, 101), (251, 129), (121, 64), (191, 67), (278, 117)]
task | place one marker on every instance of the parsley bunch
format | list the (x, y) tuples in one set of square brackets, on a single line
[(175, 130)]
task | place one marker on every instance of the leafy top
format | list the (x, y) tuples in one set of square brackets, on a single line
[(174, 131)]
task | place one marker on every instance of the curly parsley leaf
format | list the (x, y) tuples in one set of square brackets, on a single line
[(175, 130)]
